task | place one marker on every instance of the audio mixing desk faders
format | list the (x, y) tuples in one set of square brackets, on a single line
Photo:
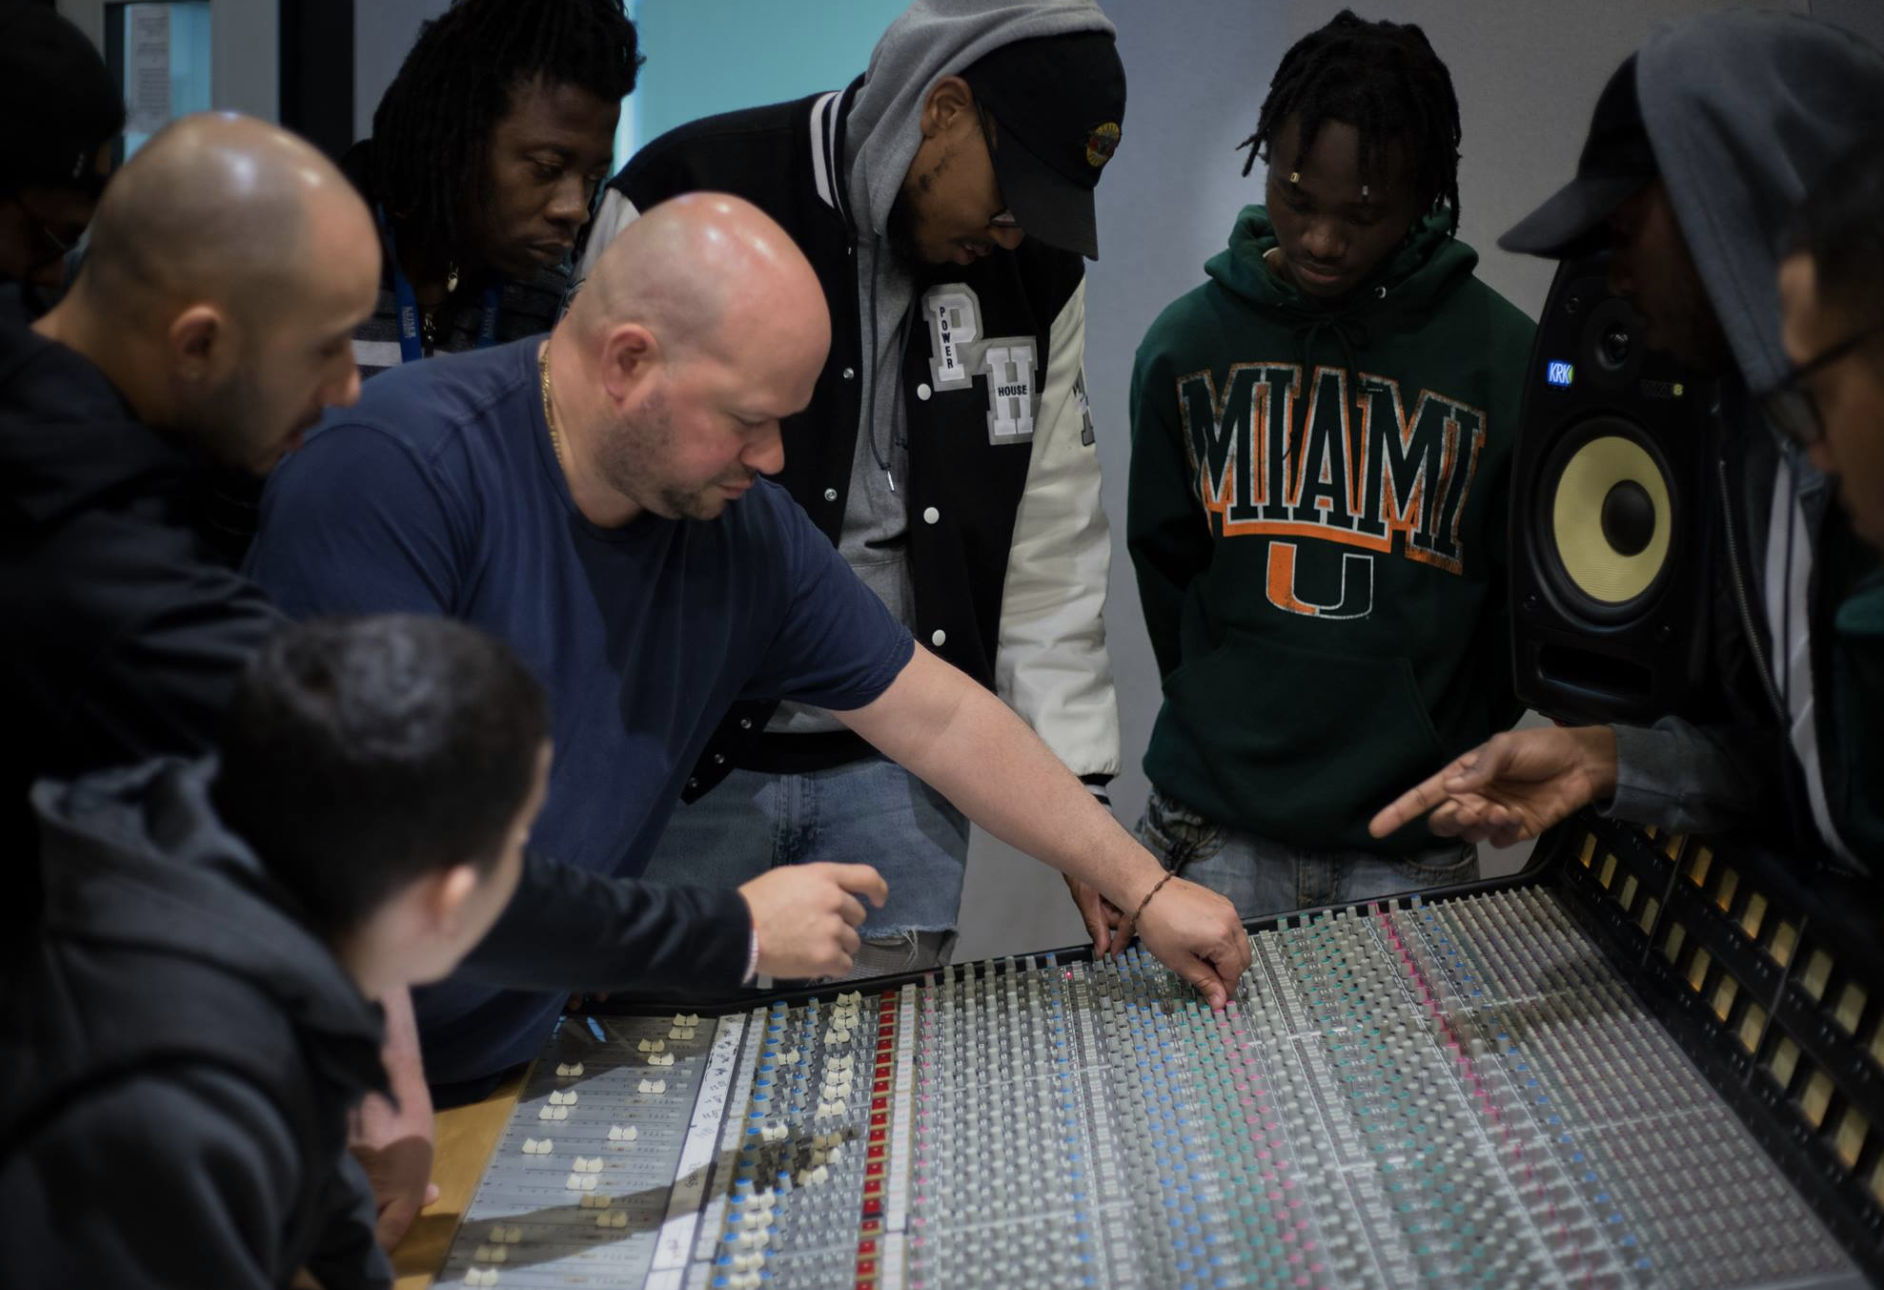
[(1619, 1070)]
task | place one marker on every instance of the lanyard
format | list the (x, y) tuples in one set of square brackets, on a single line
[(411, 345)]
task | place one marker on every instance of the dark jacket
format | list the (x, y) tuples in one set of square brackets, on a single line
[(122, 635), (1010, 594), (177, 1058)]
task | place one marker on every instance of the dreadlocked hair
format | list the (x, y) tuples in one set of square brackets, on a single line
[(1382, 78), (432, 130)]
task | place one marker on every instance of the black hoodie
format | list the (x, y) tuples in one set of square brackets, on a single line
[(177, 1057), (122, 633)]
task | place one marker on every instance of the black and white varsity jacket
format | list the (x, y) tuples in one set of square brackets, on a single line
[(1008, 545)]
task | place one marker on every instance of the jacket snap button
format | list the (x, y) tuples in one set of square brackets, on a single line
[(930, 515), (850, 373), (923, 391), (745, 723), (938, 638), (830, 494)]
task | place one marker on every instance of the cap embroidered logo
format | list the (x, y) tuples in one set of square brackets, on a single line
[(1101, 143)]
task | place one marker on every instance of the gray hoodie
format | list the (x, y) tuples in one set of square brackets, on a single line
[(930, 40), (1743, 109)]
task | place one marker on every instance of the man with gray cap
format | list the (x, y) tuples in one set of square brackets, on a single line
[(945, 199), (1700, 149)]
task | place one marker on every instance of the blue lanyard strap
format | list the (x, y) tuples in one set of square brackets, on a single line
[(411, 344)]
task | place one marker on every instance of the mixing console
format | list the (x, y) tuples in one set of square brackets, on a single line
[(1459, 1091)]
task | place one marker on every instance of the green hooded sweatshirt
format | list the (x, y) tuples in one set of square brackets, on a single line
[(1317, 521)]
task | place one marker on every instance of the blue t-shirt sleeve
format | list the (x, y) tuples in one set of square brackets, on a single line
[(356, 523), (837, 645)]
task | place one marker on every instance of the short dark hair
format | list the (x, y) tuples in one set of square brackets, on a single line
[(1840, 227), (432, 130), (361, 754), (1382, 78)]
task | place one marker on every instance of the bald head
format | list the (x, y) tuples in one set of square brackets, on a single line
[(700, 330), (223, 208), (706, 271), (229, 266)]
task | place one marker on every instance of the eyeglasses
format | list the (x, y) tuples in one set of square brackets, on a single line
[(1790, 405), (58, 247)]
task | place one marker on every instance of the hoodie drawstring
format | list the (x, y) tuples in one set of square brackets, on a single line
[(887, 456), (1349, 331)]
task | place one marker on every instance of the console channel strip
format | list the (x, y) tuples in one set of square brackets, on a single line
[(1452, 1092)]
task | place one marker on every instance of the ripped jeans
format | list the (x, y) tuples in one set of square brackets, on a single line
[(1263, 878)]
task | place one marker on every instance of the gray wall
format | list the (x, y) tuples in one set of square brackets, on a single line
[(245, 72), (383, 30)]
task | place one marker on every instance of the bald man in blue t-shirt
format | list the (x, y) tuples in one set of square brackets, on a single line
[(574, 496)]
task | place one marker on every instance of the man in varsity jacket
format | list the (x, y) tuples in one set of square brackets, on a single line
[(945, 200)]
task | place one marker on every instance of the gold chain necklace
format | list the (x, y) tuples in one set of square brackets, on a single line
[(549, 407)]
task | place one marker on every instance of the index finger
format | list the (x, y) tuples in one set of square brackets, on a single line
[(1208, 981), (1412, 804), (861, 880), (1240, 957)]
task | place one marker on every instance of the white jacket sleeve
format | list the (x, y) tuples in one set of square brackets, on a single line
[(1051, 666)]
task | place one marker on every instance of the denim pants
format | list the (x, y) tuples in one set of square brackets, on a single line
[(865, 812), (1263, 878)]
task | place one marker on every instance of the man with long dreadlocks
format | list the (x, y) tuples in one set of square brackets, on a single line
[(1320, 437), (486, 152)]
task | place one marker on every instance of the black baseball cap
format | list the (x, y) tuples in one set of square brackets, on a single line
[(52, 76), (1617, 162), (1058, 103)]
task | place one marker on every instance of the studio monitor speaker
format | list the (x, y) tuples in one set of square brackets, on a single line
[(1612, 514)]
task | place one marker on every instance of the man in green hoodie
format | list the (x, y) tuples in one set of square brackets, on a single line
[(1698, 154), (1320, 437)]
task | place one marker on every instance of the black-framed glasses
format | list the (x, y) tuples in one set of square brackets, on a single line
[(56, 248), (1790, 405)]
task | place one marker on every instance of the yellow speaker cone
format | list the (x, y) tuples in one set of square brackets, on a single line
[(1610, 520)]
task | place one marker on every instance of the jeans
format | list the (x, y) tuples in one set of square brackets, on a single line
[(1263, 878), (865, 812)]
